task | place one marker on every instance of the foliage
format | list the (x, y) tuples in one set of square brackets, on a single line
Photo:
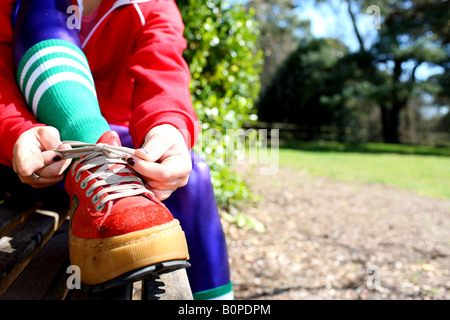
[(309, 88), (242, 220), (316, 88), (280, 30), (224, 62), (411, 34)]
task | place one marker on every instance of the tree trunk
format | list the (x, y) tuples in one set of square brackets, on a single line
[(390, 119), (390, 110), (355, 27)]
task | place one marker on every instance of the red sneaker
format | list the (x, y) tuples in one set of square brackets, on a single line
[(117, 224)]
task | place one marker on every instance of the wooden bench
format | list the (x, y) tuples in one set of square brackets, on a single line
[(34, 254)]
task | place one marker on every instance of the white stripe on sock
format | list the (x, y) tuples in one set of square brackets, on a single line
[(226, 296), (54, 63), (49, 50), (57, 78)]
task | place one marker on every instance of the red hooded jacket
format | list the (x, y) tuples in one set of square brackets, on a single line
[(135, 55)]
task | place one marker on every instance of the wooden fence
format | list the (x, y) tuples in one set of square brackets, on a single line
[(293, 132)]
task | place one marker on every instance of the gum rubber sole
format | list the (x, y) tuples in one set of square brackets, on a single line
[(102, 260)]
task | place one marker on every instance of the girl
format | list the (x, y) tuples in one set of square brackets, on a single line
[(121, 80)]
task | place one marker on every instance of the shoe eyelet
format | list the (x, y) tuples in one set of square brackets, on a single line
[(89, 192), (77, 177), (95, 199), (83, 184), (99, 207)]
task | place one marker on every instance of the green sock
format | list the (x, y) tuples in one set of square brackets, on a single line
[(224, 292), (55, 78)]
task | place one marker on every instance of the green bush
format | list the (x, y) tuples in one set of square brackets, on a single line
[(225, 62)]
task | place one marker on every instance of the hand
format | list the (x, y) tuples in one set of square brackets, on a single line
[(32, 154), (163, 161)]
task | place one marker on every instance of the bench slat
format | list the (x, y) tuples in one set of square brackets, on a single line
[(46, 275), (17, 200), (22, 244), (167, 286), (10, 218)]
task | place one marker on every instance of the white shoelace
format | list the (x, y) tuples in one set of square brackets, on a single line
[(104, 156)]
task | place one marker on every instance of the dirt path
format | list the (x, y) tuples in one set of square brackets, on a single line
[(332, 240)]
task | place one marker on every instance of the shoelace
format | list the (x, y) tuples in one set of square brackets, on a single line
[(103, 157)]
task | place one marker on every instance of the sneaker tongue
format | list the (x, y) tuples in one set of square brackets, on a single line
[(110, 137)]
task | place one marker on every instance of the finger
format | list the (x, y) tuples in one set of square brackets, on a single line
[(144, 155), (170, 185), (170, 169), (55, 169), (40, 182), (22, 151), (151, 153), (58, 166), (31, 154), (49, 138), (154, 148), (37, 161), (162, 194)]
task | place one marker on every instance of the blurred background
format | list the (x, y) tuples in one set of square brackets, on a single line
[(357, 92)]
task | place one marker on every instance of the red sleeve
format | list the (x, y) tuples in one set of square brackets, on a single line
[(161, 89), (15, 117)]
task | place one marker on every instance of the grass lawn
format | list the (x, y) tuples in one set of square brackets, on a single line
[(425, 170)]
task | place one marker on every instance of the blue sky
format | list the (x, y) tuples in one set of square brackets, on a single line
[(329, 20)]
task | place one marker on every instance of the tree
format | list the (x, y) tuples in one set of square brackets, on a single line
[(382, 73), (298, 91), (280, 32), (225, 62), (412, 33)]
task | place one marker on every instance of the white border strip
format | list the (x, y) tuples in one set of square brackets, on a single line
[(141, 15)]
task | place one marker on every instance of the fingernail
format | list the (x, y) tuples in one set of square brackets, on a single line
[(57, 158), (130, 161)]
